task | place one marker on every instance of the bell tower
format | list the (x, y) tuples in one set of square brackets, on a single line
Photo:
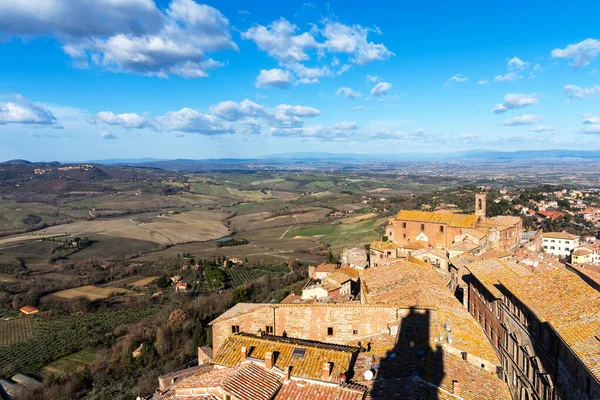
[(480, 205)]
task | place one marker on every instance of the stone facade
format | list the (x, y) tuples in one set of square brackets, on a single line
[(332, 323)]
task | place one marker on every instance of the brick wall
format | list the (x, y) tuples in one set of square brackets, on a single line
[(311, 321), (435, 236)]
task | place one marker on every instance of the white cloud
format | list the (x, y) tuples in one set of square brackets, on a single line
[(516, 63), (131, 36), (373, 78), (348, 93), (283, 41), (248, 113), (19, 110), (345, 126), (360, 108), (126, 120), (244, 12), (543, 129), (232, 111), (515, 100), (576, 92), (193, 121), (310, 75), (482, 82), (525, 119), (458, 78), (591, 130), (508, 77), (298, 111), (580, 54), (276, 77), (589, 119), (381, 89), (279, 40), (342, 38), (107, 136)]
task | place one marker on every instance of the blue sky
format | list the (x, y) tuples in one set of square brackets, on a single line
[(98, 79)]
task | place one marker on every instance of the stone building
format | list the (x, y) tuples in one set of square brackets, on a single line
[(543, 325), (552, 344)]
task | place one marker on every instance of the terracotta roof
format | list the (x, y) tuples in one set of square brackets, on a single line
[(209, 377), (325, 268), (476, 233), (291, 298), (301, 390), (339, 277), (414, 283), (309, 366), (498, 254), (502, 221), (559, 235), (490, 271), (591, 272), (351, 272), (252, 382), (381, 246), (569, 305), (465, 246), (582, 251), (447, 218), (461, 260), (29, 310), (418, 245)]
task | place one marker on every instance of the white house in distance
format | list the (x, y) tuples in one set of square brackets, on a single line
[(559, 243)]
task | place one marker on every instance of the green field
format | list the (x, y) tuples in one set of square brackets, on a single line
[(113, 247), (238, 277), (34, 253), (7, 278), (210, 189), (344, 235), (17, 330), (55, 337), (70, 364)]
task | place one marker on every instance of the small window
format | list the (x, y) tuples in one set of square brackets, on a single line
[(227, 397), (330, 331), (422, 227), (269, 329), (404, 225), (355, 331), (235, 328), (441, 229)]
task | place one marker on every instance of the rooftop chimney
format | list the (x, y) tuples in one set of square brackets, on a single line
[(456, 387), (326, 371), (287, 373), (269, 361), (244, 353)]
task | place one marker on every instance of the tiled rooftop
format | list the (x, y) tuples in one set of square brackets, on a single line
[(450, 219), (302, 390), (569, 305), (339, 277), (310, 366), (414, 283), (252, 382), (559, 235), (381, 246), (502, 221), (491, 270), (325, 268)]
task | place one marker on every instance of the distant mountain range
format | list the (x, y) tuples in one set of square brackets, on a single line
[(337, 158)]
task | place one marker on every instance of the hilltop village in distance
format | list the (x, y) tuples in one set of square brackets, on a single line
[(295, 285)]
